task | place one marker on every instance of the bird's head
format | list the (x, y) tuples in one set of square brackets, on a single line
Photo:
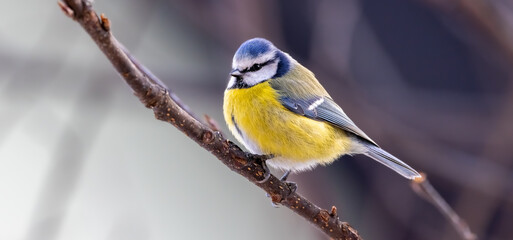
[(257, 60)]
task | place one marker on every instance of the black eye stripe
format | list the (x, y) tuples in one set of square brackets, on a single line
[(257, 66)]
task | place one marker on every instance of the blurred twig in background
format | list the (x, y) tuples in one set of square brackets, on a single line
[(423, 188), (487, 27)]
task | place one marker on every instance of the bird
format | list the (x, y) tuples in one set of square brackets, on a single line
[(275, 106)]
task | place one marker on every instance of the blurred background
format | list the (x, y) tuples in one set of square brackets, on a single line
[(81, 158)]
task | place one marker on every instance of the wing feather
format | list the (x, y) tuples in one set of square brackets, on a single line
[(324, 109)]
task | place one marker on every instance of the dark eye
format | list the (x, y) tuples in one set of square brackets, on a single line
[(255, 67)]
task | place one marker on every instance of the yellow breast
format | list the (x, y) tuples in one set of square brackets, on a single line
[(258, 120)]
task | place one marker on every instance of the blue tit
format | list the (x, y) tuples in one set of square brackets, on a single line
[(275, 106)]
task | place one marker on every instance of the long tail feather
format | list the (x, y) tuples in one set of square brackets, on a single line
[(392, 162)]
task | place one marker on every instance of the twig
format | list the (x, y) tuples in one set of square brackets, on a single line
[(154, 95), (212, 123), (154, 78), (423, 188)]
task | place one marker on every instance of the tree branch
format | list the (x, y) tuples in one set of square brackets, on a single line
[(167, 107)]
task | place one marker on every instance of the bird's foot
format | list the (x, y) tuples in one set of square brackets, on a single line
[(262, 160), (292, 186), (285, 176)]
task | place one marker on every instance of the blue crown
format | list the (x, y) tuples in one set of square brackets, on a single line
[(253, 47)]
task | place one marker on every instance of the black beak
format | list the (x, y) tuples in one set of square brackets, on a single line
[(236, 73)]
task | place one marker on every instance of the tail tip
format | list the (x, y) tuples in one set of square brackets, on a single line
[(418, 177)]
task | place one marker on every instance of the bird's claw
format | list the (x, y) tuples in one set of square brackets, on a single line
[(292, 186), (267, 173), (262, 160)]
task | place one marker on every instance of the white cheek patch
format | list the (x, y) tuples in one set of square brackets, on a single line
[(254, 78)]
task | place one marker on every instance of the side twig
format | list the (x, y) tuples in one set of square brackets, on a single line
[(166, 107), (423, 188)]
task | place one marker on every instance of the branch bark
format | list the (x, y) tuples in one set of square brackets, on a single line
[(167, 107)]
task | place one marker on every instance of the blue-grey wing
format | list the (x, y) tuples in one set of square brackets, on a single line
[(324, 109)]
